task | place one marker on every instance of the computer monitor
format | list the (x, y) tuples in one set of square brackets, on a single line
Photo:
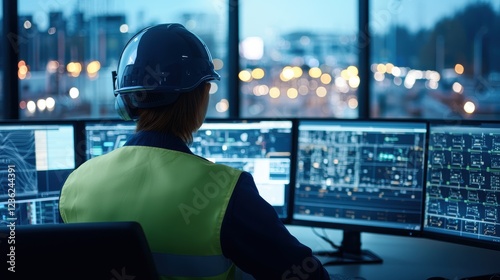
[(35, 160), (261, 147), (103, 136), (359, 175), (462, 202)]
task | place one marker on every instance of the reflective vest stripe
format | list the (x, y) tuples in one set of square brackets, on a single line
[(191, 266)]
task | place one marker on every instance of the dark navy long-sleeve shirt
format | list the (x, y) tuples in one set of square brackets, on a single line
[(252, 235)]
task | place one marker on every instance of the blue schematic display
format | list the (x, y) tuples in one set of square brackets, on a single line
[(262, 148), (463, 182), (104, 137), (41, 156), (361, 173)]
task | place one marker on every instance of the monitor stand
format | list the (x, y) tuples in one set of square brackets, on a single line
[(350, 252)]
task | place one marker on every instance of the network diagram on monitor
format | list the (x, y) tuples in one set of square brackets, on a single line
[(103, 137), (463, 182), (360, 173), (262, 148)]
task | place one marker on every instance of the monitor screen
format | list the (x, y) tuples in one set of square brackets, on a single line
[(463, 183), (35, 161), (360, 176), (102, 137), (261, 147)]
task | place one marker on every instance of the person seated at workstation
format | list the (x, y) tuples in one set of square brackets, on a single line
[(201, 219)]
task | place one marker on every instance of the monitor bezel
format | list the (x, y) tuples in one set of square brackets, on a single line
[(450, 238), (359, 227)]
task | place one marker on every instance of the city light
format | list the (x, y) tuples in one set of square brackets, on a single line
[(245, 76), (260, 90), (381, 68), (287, 74), (345, 75), (315, 72), (292, 93), (326, 78), (469, 107), (457, 87), (396, 71), (252, 48), (258, 73), (93, 67), (74, 69), (389, 67), (397, 81), (297, 72), (124, 28), (218, 63), (22, 105), (222, 106), (31, 106), (74, 92), (459, 69), (50, 103), (27, 24), (352, 103), (321, 91), (340, 82), (352, 71), (213, 88), (41, 104), (52, 66), (274, 92), (432, 84), (354, 82), (23, 70), (379, 76)]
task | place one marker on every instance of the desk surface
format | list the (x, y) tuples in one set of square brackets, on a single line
[(407, 258)]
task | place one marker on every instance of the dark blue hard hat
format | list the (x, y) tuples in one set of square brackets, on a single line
[(159, 63)]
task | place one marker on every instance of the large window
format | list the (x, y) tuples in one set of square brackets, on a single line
[(298, 58), (70, 48), (428, 59), (435, 59)]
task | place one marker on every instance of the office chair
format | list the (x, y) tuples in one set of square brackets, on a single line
[(106, 250)]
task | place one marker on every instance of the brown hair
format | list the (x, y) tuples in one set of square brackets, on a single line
[(181, 118)]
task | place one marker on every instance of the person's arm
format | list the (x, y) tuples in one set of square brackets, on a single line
[(256, 240)]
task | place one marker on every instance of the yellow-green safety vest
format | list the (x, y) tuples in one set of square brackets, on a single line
[(179, 199)]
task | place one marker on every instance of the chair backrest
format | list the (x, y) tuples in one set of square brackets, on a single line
[(107, 250)]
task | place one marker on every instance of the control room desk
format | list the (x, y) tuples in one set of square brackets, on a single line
[(407, 258)]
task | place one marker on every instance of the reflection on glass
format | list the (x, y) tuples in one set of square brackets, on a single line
[(435, 59), (298, 58), (69, 48)]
